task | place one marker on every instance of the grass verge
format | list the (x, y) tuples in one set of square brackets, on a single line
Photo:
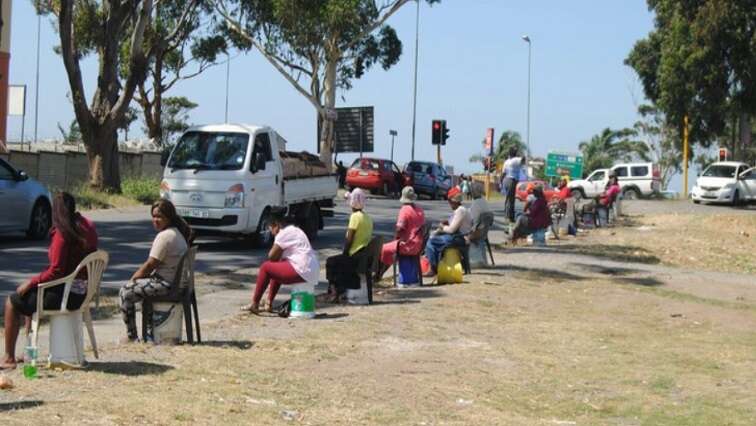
[(135, 191)]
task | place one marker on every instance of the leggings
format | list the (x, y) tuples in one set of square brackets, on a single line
[(274, 273), (136, 291)]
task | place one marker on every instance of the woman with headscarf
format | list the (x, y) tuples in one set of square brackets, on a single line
[(341, 270), (535, 216), (72, 238), (450, 232)]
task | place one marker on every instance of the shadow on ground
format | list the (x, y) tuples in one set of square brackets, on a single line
[(628, 254), (532, 274), (227, 344), (19, 405), (130, 368)]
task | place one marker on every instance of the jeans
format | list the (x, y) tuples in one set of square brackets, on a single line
[(437, 244)]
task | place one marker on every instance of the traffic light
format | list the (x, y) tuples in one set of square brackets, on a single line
[(722, 154), (444, 132), (436, 132)]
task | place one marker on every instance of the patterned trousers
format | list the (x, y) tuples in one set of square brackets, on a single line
[(136, 291)]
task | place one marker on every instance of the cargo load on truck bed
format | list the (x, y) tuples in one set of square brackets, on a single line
[(302, 164)]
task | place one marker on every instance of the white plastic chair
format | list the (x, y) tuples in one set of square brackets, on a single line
[(95, 264)]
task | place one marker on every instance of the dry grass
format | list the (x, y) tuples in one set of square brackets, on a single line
[(724, 243)]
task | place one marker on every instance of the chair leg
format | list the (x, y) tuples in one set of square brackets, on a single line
[(196, 317), (419, 270), (369, 284), (35, 329), (396, 260), (188, 320), (90, 330), (490, 252), (146, 320)]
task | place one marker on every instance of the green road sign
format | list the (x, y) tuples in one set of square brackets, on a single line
[(557, 163)]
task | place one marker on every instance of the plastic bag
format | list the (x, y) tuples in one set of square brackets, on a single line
[(450, 267)]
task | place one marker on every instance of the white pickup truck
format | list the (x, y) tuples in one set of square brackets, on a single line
[(229, 179), (635, 179)]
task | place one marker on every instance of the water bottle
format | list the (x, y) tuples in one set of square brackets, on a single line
[(30, 360)]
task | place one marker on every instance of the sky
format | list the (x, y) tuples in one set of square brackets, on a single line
[(472, 72)]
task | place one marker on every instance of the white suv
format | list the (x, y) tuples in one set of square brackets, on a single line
[(635, 179), (726, 182)]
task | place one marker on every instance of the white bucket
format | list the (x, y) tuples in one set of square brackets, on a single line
[(358, 296), (66, 339), (167, 319)]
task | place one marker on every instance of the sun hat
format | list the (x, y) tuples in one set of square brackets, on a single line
[(408, 195)]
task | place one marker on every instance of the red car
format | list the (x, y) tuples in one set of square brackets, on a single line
[(377, 175), (548, 191)]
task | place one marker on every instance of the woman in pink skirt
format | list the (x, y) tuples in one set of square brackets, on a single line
[(409, 231)]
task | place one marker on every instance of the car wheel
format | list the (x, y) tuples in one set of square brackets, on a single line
[(696, 202), (263, 238), (40, 222), (576, 194), (631, 194), (312, 221), (386, 191)]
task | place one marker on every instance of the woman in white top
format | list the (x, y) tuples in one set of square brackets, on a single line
[(155, 276), (291, 261), (450, 232)]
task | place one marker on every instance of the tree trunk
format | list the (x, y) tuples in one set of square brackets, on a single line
[(104, 171), (745, 135), (326, 135)]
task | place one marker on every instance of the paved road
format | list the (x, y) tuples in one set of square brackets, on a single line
[(127, 235)]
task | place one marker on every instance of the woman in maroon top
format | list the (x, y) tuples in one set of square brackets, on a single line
[(73, 237), (536, 216)]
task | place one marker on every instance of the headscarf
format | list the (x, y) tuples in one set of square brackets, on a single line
[(357, 199), (454, 194)]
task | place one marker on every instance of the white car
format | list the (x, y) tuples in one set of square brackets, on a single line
[(726, 182), (25, 203), (636, 180)]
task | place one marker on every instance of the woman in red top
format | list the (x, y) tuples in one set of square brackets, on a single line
[(536, 216), (73, 237)]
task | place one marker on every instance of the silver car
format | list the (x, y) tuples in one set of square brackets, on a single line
[(24, 203)]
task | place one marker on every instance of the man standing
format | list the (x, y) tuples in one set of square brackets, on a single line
[(512, 170)]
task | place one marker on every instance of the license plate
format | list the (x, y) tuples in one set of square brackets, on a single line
[(199, 213), (363, 173)]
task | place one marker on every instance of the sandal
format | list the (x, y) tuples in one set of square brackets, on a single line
[(250, 309)]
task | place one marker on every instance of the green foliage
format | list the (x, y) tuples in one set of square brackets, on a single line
[(611, 146), (700, 60), (73, 135), (662, 142), (143, 190), (509, 139), (175, 117)]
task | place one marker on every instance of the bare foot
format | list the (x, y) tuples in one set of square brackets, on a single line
[(251, 309), (8, 364)]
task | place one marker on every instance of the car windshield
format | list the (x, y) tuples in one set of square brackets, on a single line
[(366, 164), (720, 171), (210, 151)]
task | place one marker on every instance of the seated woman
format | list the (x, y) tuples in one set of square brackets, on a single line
[(155, 277), (73, 237), (342, 269), (606, 198), (408, 237), (535, 215), (291, 260), (450, 232)]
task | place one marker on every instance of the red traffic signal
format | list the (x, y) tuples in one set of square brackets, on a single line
[(722, 154), (437, 132)]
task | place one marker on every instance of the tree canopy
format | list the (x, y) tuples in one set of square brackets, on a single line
[(611, 146)]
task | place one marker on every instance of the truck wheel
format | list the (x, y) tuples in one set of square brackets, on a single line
[(40, 222), (386, 191), (262, 237), (576, 194), (631, 194), (311, 221)]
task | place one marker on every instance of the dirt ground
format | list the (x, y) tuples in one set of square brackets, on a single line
[(604, 329)]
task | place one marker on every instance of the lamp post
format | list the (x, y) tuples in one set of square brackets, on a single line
[(530, 45), (414, 96), (393, 134)]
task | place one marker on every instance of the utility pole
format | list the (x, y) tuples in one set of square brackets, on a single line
[(414, 96), (36, 84), (527, 39), (685, 157), (393, 134), (228, 75)]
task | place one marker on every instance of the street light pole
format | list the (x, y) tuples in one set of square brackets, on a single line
[(414, 96), (36, 84), (527, 39), (228, 75), (393, 134)]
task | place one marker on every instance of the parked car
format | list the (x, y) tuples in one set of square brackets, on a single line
[(376, 175), (26, 204), (636, 180), (428, 178), (521, 191), (726, 182)]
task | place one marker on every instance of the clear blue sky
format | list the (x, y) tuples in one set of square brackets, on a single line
[(472, 72)]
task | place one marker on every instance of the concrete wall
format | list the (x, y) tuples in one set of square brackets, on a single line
[(70, 168)]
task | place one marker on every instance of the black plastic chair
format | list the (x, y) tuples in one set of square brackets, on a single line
[(369, 262), (182, 291), (481, 233)]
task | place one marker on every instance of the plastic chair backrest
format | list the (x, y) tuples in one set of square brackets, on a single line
[(185, 271), (95, 264)]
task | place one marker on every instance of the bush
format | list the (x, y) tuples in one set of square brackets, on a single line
[(143, 190), (89, 199)]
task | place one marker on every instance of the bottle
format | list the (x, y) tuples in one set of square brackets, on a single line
[(30, 360)]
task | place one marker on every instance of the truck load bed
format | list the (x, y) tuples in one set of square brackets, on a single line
[(304, 189), (302, 164)]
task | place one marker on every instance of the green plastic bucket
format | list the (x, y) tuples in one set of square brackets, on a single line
[(302, 305)]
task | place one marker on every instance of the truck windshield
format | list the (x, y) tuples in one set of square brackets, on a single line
[(210, 151)]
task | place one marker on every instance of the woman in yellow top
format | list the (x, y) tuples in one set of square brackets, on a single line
[(360, 229)]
